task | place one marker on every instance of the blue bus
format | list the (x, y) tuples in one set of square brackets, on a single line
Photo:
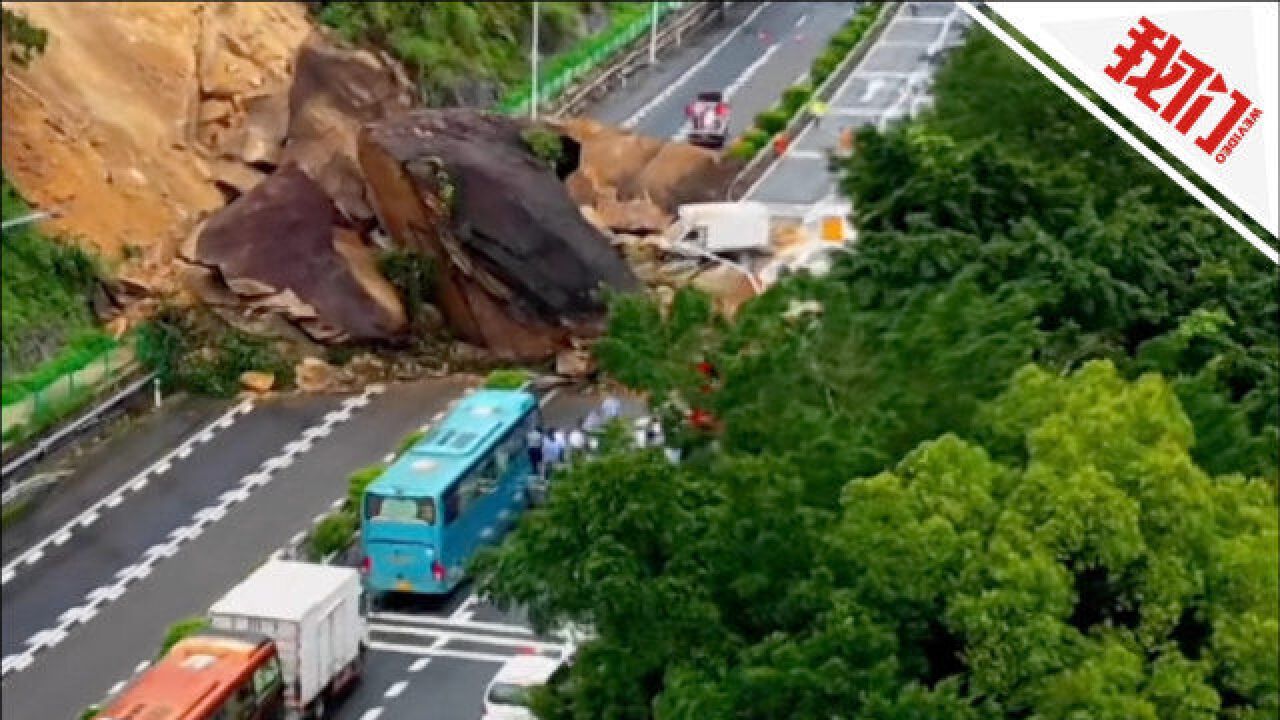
[(462, 486)]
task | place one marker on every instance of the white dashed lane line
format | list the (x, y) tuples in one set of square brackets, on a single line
[(63, 534), (101, 596)]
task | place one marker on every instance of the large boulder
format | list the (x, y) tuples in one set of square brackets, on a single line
[(521, 270), (284, 249)]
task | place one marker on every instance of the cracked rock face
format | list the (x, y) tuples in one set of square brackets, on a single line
[(284, 249), (521, 271)]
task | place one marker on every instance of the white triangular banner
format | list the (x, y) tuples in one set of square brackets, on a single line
[(1198, 78)]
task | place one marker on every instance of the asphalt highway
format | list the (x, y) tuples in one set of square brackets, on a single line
[(890, 83), (759, 50)]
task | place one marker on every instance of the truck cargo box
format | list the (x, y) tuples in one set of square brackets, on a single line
[(313, 614)]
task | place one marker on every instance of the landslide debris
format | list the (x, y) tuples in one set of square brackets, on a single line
[(285, 248), (520, 268)]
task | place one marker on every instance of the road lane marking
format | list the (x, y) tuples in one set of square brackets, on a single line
[(372, 713), (733, 87), (62, 537), (438, 652), (418, 664), (115, 689), (873, 87), (395, 690), (446, 624), (801, 20), (452, 635), (114, 498), (656, 100), (143, 568)]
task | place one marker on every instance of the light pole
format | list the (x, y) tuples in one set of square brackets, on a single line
[(533, 62), (653, 32)]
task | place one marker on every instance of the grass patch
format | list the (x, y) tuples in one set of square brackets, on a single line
[(46, 288), (195, 350)]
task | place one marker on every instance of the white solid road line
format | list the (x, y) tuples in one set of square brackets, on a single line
[(142, 569), (451, 635), (445, 624), (113, 499), (438, 652), (661, 97)]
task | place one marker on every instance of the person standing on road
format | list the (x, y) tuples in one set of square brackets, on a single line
[(534, 440), (611, 408), (552, 453), (577, 442), (818, 109), (593, 422)]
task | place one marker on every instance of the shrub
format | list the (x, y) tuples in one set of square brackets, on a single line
[(757, 138), (358, 481), (545, 144), (772, 120), (27, 40), (336, 532), (196, 350), (507, 379), (90, 712), (409, 441), (182, 629), (743, 149), (413, 275), (825, 64), (794, 98)]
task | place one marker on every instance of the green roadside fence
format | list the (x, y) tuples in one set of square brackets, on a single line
[(629, 22)]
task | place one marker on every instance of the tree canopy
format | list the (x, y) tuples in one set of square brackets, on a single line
[(1015, 457)]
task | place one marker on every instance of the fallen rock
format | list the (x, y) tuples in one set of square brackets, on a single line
[(283, 249), (667, 174), (639, 216), (520, 269), (257, 382), (575, 363), (317, 376), (728, 288), (336, 91)]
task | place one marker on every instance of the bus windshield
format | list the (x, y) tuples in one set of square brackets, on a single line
[(392, 508)]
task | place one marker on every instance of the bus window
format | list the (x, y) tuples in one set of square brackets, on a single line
[(486, 478), (451, 506), (400, 509)]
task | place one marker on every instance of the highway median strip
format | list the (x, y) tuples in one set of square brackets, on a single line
[(100, 597)]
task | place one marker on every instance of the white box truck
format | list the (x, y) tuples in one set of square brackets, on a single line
[(312, 612)]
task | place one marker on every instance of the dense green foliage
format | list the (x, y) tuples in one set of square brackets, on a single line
[(544, 143), (191, 349), (25, 41), (413, 275), (449, 44), (45, 310), (1013, 458)]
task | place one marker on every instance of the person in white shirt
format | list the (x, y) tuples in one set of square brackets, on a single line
[(593, 422), (611, 408), (577, 441)]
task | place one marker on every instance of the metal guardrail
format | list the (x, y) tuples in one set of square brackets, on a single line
[(679, 25), (51, 442), (754, 169)]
